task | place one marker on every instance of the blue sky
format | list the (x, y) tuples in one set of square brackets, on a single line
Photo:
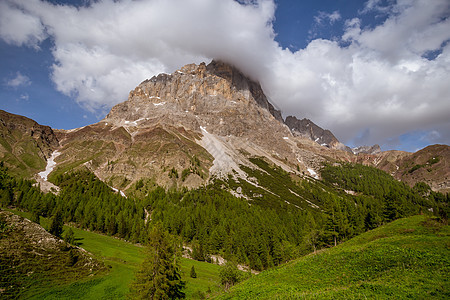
[(370, 71)]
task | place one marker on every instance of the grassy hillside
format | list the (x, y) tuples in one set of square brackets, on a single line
[(122, 259), (24, 144), (32, 260), (408, 258)]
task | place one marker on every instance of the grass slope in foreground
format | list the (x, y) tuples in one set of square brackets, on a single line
[(408, 258), (122, 259)]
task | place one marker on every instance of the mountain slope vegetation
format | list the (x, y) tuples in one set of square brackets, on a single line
[(24, 144), (32, 260), (263, 228), (408, 258), (204, 154)]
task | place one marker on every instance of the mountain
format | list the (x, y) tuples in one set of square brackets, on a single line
[(307, 129), (375, 149), (25, 145), (430, 165), (183, 129), (203, 153)]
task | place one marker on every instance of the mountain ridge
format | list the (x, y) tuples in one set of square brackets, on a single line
[(182, 129)]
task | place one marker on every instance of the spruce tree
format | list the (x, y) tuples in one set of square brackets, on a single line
[(56, 225), (69, 236), (159, 276), (193, 273)]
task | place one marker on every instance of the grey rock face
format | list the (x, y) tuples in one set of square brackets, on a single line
[(307, 129), (375, 149)]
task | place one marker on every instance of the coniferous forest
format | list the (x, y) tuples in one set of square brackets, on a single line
[(350, 199)]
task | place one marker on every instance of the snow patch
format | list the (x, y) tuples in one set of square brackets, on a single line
[(134, 123), (293, 204), (285, 138), (159, 104), (313, 173), (204, 129), (311, 204), (50, 165), (119, 191), (316, 139)]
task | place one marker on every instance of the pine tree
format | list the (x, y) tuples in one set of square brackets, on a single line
[(193, 273), (56, 225), (35, 217), (159, 276), (69, 236)]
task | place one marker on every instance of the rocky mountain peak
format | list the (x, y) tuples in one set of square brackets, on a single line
[(214, 106), (307, 129), (193, 94), (243, 83), (375, 149)]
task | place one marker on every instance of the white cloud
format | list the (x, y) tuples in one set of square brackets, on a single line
[(18, 80), (24, 97), (330, 17), (18, 27), (380, 80)]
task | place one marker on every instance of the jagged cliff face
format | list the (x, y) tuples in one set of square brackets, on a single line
[(217, 97), (375, 149), (307, 129), (204, 120)]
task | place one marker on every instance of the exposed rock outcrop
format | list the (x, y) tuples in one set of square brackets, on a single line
[(307, 129), (211, 114), (375, 149)]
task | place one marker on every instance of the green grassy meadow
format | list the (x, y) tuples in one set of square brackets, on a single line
[(123, 259), (408, 258)]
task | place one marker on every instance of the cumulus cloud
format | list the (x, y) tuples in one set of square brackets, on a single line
[(18, 80), (106, 48), (379, 80), (19, 27)]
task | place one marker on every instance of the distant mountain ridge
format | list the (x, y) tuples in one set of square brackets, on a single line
[(375, 149), (307, 128)]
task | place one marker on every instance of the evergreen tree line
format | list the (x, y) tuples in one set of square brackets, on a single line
[(212, 221), (83, 200), (392, 199)]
